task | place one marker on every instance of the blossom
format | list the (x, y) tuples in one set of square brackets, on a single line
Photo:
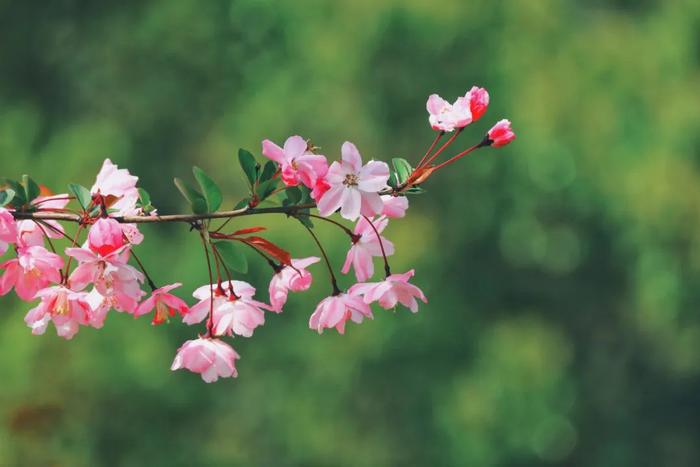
[(295, 278), (8, 230), (353, 187), (335, 310), (165, 304), (367, 246), (31, 233), (32, 270), (232, 314), (296, 163), (445, 116), (394, 206), (478, 101), (211, 358), (66, 308), (105, 236), (501, 134), (100, 306), (394, 289)]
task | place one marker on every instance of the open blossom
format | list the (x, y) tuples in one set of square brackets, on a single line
[(501, 134), (394, 289), (32, 270), (211, 358), (366, 247), (8, 230), (66, 308), (298, 165), (478, 102), (30, 233), (353, 187), (105, 236), (233, 314), (99, 306), (165, 304), (447, 117), (295, 278), (394, 206), (335, 310)]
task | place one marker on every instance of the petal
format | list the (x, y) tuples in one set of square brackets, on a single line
[(331, 200), (351, 204), (294, 147), (373, 176), (351, 156), (274, 152)]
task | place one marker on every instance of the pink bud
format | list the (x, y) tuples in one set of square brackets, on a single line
[(478, 102), (105, 236), (501, 134)]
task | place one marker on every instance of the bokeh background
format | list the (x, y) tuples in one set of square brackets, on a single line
[(563, 326)]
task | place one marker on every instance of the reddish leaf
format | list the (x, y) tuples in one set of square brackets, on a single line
[(45, 191), (268, 247), (249, 230)]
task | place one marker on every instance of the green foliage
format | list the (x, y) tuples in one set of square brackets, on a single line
[(249, 165), (211, 191), (197, 202), (82, 195)]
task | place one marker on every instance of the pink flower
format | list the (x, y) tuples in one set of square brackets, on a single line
[(394, 206), (335, 310), (105, 236), (31, 233), (367, 246), (295, 278), (100, 306), (32, 270), (354, 188), (319, 189), (478, 102), (211, 358), (297, 164), (67, 309), (8, 230), (165, 304), (394, 289), (445, 116), (501, 134), (239, 314)]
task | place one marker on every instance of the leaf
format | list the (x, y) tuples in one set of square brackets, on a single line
[(232, 255), (31, 188), (414, 190), (249, 230), (293, 195), (82, 195), (249, 165), (305, 219), (270, 248), (212, 192), (268, 171), (305, 195), (403, 169), (6, 196), (242, 203), (19, 199), (393, 179), (197, 202), (145, 201), (265, 189)]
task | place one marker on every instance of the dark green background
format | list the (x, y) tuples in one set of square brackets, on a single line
[(562, 270)]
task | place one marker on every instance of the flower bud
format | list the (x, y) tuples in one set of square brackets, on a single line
[(105, 236)]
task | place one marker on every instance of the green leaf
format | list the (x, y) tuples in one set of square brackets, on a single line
[(268, 171), (82, 195), (293, 195), (414, 190), (233, 256), (242, 203), (249, 165), (6, 196), (305, 195), (31, 189), (403, 169), (197, 202), (212, 192), (144, 197), (265, 189), (393, 179), (19, 199), (305, 219)]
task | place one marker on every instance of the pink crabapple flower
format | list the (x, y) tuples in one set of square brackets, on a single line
[(66, 308), (447, 117), (30, 233), (335, 310), (8, 230), (353, 187), (165, 304), (32, 270), (366, 247), (105, 236), (239, 314), (297, 164), (478, 102), (394, 206), (394, 289), (295, 278), (501, 134), (100, 306), (211, 358)]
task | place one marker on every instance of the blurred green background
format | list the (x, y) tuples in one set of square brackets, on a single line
[(562, 270)]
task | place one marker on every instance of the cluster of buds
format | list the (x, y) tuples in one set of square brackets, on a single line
[(295, 181)]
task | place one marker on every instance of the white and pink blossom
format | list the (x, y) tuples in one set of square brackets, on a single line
[(335, 310), (165, 304), (8, 230), (447, 117), (67, 309), (501, 134), (394, 289), (394, 206), (297, 163), (295, 279), (211, 358), (32, 270), (366, 247), (478, 102)]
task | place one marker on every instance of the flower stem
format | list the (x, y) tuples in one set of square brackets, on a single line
[(334, 282), (151, 284), (442, 148), (432, 146), (387, 269)]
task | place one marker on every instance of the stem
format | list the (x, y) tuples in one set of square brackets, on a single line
[(442, 148), (430, 149), (346, 229), (458, 156), (334, 283), (75, 242), (151, 284), (210, 321), (218, 255), (387, 269)]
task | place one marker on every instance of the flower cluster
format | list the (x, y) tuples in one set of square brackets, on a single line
[(100, 272)]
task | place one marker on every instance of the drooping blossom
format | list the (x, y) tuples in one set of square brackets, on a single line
[(353, 187), (8, 230), (233, 314), (105, 236), (165, 304), (394, 289), (31, 233), (211, 358), (478, 102), (67, 309), (335, 310), (394, 206), (448, 117), (298, 165), (501, 134), (33, 269), (366, 247), (99, 306), (295, 278)]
